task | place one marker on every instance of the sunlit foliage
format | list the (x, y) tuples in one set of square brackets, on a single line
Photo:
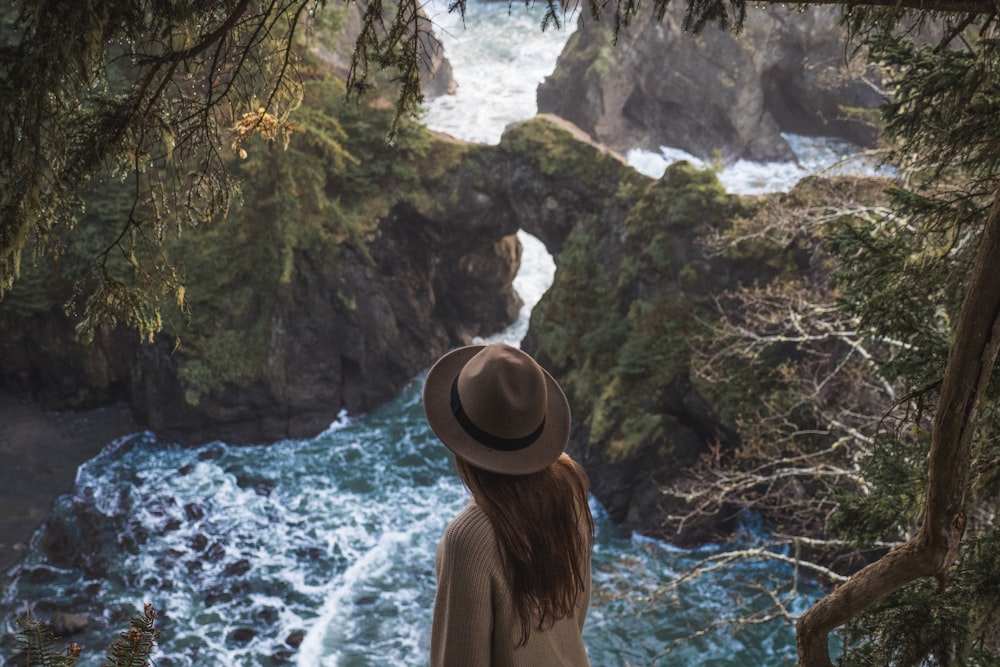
[(151, 97)]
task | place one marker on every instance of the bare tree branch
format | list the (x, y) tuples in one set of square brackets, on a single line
[(936, 547)]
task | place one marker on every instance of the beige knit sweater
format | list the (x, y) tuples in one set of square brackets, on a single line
[(475, 624)]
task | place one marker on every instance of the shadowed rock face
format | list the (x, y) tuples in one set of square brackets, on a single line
[(714, 94), (345, 331), (327, 355), (335, 51)]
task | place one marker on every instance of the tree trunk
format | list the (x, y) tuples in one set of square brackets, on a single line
[(936, 547)]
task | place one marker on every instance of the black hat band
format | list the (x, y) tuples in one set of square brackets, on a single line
[(485, 438)]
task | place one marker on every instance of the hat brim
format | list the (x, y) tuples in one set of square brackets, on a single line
[(537, 456)]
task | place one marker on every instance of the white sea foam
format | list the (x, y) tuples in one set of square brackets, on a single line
[(813, 155), (536, 273), (372, 584), (533, 279), (498, 58)]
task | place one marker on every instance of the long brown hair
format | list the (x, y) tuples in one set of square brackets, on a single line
[(545, 532)]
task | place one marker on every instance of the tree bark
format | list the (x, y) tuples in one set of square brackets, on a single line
[(935, 548)]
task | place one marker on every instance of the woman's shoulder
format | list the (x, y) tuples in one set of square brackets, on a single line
[(470, 530)]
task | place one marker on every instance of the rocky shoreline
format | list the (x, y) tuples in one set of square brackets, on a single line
[(41, 451)]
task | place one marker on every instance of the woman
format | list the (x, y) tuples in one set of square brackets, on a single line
[(513, 567)]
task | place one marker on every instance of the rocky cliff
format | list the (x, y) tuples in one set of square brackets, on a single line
[(715, 94), (631, 294), (268, 351), (280, 342), (632, 306), (294, 320)]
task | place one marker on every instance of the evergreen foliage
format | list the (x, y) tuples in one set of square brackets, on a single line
[(133, 647), (905, 279), (38, 646), (846, 352), (146, 97), (157, 98), (875, 321), (310, 189), (327, 190)]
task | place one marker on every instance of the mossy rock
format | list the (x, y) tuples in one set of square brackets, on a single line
[(555, 147)]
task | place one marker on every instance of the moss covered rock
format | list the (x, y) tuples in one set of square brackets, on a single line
[(634, 295), (344, 271), (631, 294)]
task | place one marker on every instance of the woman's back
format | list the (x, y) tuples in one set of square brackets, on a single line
[(514, 566), (475, 621)]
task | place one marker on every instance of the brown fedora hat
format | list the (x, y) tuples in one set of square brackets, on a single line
[(496, 408)]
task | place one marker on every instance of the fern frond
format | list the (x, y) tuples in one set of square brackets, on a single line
[(38, 646), (135, 645)]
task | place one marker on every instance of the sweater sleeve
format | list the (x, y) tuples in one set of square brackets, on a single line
[(462, 629)]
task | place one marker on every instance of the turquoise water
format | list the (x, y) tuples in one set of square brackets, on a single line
[(246, 550)]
